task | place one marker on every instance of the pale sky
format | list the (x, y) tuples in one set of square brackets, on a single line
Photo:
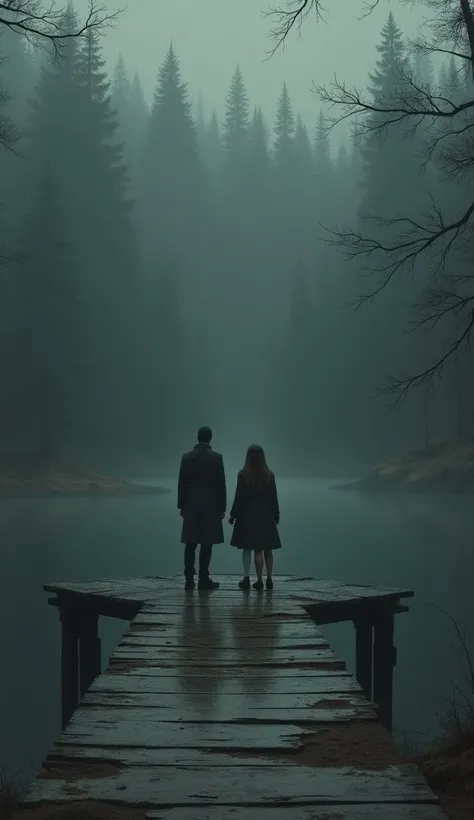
[(211, 36)]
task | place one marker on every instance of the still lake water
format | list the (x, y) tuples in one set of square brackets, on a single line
[(421, 543)]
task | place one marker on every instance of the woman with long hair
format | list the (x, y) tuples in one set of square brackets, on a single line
[(255, 515)]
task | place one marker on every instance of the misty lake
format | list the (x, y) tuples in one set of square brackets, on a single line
[(423, 543)]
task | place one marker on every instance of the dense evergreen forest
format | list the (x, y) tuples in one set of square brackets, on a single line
[(164, 269)]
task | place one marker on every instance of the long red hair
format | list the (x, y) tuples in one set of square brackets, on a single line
[(256, 471)]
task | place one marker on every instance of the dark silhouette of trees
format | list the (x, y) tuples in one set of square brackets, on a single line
[(51, 326)]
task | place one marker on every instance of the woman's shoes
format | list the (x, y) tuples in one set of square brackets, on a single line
[(245, 584)]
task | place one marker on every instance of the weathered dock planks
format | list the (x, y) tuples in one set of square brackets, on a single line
[(226, 705)]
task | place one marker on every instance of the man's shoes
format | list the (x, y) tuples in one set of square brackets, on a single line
[(258, 584), (207, 583), (269, 583), (189, 584), (245, 583)]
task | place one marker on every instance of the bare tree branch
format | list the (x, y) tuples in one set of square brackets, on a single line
[(438, 304), (410, 102), (413, 238), (31, 19), (294, 13), (289, 18)]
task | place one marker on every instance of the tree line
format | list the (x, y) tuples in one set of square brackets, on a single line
[(164, 269)]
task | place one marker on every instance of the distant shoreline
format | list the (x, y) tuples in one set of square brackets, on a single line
[(444, 466), (27, 477)]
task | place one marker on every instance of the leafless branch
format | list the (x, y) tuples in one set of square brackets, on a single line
[(294, 13), (39, 23), (438, 303), (427, 47), (410, 103), (411, 239), (289, 18)]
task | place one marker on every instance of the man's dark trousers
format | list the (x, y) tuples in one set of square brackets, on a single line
[(205, 554)]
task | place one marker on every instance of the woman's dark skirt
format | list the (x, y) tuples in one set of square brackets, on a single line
[(256, 530)]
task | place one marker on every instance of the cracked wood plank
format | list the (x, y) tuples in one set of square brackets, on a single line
[(272, 657), (110, 727), (156, 757), (199, 643), (218, 711), (231, 786), (150, 680), (266, 678)]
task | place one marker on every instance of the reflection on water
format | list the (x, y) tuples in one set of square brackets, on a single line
[(419, 542), (245, 619), (200, 638), (213, 641)]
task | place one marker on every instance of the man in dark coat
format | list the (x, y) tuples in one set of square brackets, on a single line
[(202, 503)]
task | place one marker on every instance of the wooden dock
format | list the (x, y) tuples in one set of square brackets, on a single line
[(226, 705)]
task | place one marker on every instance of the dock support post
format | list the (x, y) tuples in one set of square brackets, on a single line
[(89, 651), (364, 655), (69, 664), (384, 661), (80, 657)]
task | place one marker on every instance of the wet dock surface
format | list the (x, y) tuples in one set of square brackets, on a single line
[(221, 705)]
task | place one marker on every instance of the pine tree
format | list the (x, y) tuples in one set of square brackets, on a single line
[(284, 133), (120, 102), (322, 153), (393, 65), (303, 153), (173, 220), (172, 172), (137, 122), (236, 122), (138, 106), (120, 86), (258, 151), (90, 69), (390, 162), (211, 149), (257, 187)]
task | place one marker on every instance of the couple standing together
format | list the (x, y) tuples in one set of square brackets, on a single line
[(202, 502)]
